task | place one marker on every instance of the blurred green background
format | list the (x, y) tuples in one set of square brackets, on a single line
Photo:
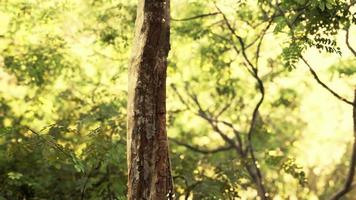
[(63, 89)]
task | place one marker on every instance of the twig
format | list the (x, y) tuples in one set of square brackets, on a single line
[(199, 150), (196, 17), (239, 38), (316, 77), (348, 42), (53, 144), (212, 122), (236, 132), (180, 96), (261, 40)]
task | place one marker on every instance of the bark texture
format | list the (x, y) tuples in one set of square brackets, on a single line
[(149, 173)]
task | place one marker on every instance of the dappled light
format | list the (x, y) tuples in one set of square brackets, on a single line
[(180, 99)]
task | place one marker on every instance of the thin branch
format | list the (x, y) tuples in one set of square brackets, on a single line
[(231, 42), (53, 144), (264, 31), (225, 108), (236, 132), (219, 131), (180, 96), (200, 150), (239, 38), (253, 169), (316, 77), (196, 17), (348, 42), (350, 176), (196, 101), (212, 122)]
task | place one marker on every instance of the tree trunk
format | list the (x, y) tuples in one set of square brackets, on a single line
[(149, 173)]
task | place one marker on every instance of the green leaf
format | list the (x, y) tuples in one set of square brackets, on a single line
[(78, 164), (281, 24), (322, 6), (329, 6)]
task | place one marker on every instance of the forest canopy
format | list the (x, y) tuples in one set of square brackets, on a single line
[(259, 98)]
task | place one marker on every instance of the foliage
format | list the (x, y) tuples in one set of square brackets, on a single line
[(310, 24), (63, 88)]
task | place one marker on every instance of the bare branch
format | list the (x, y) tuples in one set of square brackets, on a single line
[(180, 96), (236, 132), (261, 40), (200, 150), (316, 77), (196, 17), (219, 131), (205, 115), (348, 42), (225, 108), (239, 38), (252, 168)]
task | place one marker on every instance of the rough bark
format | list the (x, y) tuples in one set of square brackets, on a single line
[(149, 174)]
